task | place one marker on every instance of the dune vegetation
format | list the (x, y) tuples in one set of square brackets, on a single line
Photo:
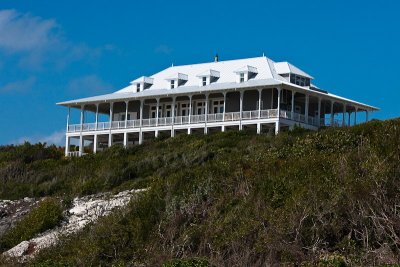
[(326, 198)]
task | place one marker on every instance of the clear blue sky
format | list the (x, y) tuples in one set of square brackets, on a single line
[(52, 51)]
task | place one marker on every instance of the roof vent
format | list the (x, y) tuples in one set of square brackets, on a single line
[(216, 58)]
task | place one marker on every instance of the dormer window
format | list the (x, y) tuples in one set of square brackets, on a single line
[(299, 80), (293, 74), (142, 83), (177, 80), (207, 77), (246, 73)]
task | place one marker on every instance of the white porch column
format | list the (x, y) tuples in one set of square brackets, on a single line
[(173, 116), (272, 98), (259, 104), (68, 116), (349, 121), (355, 116), (111, 119), (277, 126), (82, 117), (292, 115), (277, 123), (141, 112), (97, 117), (332, 114), (95, 143), (157, 115), (80, 136), (306, 108), (141, 122), (344, 115), (140, 137), (66, 145), (66, 135), (258, 128), (279, 101), (319, 112), (126, 113), (206, 116), (279, 104), (223, 112), (190, 110), (366, 116), (125, 139), (241, 110)]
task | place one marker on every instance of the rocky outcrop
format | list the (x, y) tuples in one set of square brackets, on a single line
[(84, 210), (12, 211)]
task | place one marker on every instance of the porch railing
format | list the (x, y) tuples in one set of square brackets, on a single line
[(194, 119), (75, 154)]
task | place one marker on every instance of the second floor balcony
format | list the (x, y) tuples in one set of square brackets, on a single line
[(214, 118)]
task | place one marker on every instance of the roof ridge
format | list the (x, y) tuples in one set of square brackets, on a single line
[(222, 61)]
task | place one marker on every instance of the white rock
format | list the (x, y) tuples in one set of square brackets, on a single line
[(85, 210)]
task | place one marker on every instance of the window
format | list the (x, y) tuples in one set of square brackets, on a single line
[(298, 80), (204, 81), (123, 117), (241, 77), (185, 109), (201, 108), (293, 78), (168, 111), (153, 112), (172, 84), (218, 106), (138, 87)]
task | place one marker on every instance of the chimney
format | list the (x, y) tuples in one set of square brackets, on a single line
[(216, 58)]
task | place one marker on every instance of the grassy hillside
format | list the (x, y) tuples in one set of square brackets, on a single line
[(229, 199)]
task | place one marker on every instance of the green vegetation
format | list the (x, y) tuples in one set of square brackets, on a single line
[(46, 215), (187, 263), (327, 198)]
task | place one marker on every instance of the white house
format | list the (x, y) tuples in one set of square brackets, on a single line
[(253, 93)]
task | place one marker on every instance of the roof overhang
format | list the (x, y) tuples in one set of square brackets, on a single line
[(211, 88), (327, 95)]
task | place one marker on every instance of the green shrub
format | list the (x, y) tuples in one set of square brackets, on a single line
[(45, 216)]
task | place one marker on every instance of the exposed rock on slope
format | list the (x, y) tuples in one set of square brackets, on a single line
[(84, 210), (12, 211)]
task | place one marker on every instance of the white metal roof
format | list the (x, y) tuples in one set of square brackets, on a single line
[(209, 73), (247, 68), (177, 76), (268, 75), (226, 70), (143, 79), (286, 67)]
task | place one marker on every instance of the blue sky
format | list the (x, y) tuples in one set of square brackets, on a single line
[(51, 51)]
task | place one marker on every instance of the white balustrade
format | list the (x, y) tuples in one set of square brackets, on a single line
[(214, 117), (73, 154)]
